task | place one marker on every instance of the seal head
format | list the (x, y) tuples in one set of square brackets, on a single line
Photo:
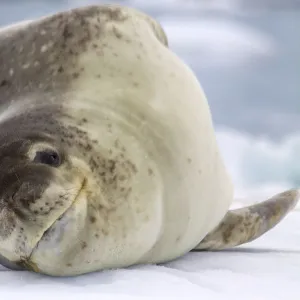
[(70, 188), (39, 183)]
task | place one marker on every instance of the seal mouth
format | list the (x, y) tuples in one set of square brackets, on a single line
[(25, 262), (82, 187)]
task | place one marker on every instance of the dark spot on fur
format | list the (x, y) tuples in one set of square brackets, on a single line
[(112, 166), (4, 82), (75, 75), (83, 245), (117, 33), (67, 33), (60, 69), (92, 219)]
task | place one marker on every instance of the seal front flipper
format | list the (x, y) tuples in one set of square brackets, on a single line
[(247, 224)]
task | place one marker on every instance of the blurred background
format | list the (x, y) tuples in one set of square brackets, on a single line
[(246, 54)]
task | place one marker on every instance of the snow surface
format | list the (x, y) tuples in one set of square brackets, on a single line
[(268, 268)]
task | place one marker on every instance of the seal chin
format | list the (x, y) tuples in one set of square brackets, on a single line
[(28, 263)]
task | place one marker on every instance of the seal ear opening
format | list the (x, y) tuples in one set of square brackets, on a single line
[(247, 224)]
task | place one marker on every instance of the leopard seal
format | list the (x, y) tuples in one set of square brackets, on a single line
[(108, 155)]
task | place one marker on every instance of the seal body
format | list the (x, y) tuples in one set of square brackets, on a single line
[(108, 155), (101, 85)]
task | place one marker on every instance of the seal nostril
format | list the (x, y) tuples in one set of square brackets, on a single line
[(48, 157)]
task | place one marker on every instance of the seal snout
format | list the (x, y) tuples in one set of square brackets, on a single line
[(40, 182)]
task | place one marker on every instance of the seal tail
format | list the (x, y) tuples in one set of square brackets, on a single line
[(247, 224)]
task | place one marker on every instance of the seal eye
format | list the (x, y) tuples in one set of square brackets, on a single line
[(47, 157)]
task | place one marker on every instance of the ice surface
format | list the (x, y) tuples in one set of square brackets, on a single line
[(268, 268)]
